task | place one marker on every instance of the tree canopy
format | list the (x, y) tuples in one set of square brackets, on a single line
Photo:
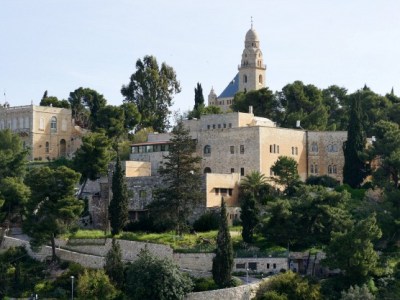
[(150, 277), (151, 89), (53, 207), (181, 180)]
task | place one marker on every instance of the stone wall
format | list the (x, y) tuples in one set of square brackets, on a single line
[(261, 265), (129, 249), (194, 261), (243, 292)]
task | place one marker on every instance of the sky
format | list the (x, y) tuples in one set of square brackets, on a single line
[(61, 45)]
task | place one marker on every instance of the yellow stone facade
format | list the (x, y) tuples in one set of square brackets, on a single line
[(48, 132), (233, 145)]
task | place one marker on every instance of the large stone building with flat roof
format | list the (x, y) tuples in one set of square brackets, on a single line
[(49, 132), (233, 145)]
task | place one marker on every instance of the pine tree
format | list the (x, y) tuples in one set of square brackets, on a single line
[(118, 209), (354, 168), (114, 267), (181, 180), (223, 260)]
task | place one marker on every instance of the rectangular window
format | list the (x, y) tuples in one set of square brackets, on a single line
[(162, 147), (232, 170), (230, 125), (296, 151), (241, 266), (267, 266), (241, 149), (253, 266), (277, 149), (219, 125), (230, 192), (232, 149), (274, 266), (241, 171), (216, 191), (224, 191), (213, 126), (270, 148), (224, 125), (208, 127)]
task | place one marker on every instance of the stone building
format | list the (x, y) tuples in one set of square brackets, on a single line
[(251, 75), (49, 132), (233, 145)]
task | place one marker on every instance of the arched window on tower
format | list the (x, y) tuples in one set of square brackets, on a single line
[(245, 78), (260, 79)]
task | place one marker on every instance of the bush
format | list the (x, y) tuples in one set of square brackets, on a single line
[(204, 284), (148, 224), (324, 180), (208, 221)]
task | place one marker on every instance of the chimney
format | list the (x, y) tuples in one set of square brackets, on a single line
[(250, 109)]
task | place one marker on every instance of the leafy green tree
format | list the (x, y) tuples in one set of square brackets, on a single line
[(223, 260), (357, 293), (285, 168), (305, 103), (85, 104), (151, 89), (386, 147), (118, 209), (114, 267), (13, 156), (13, 159), (95, 284), (53, 207), (93, 157), (264, 102), (15, 195), (353, 251), (336, 100), (250, 216), (198, 102), (132, 115), (211, 110), (152, 278), (288, 286), (112, 120), (308, 218), (181, 180), (53, 101), (354, 169)]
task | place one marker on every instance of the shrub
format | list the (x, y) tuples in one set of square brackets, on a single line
[(208, 221), (204, 284), (325, 180)]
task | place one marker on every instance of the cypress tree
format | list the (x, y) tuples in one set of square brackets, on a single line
[(198, 96), (114, 267), (354, 167), (223, 260), (118, 209), (249, 216)]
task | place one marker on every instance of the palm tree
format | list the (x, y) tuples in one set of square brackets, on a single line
[(253, 183)]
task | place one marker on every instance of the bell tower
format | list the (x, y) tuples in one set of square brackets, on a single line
[(252, 68)]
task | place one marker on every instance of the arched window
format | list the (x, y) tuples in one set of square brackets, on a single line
[(47, 147), (334, 169), (53, 124), (41, 124), (245, 78), (207, 149), (314, 147), (207, 170), (260, 78), (329, 169), (314, 168)]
